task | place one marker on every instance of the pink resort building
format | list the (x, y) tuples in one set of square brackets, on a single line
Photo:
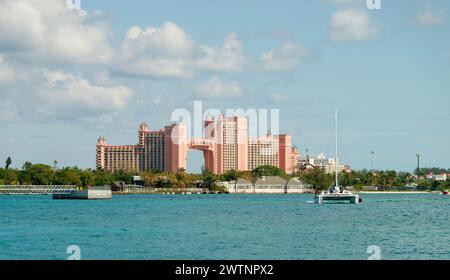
[(226, 145)]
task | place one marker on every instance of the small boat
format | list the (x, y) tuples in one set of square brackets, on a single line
[(445, 192), (336, 194)]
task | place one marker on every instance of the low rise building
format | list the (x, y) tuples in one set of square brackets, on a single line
[(295, 185), (442, 177), (270, 184), (267, 185)]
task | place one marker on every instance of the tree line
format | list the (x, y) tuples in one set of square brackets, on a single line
[(42, 174)]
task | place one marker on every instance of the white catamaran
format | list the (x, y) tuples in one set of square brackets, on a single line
[(336, 194)]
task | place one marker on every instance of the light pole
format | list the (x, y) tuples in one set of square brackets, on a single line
[(418, 164)]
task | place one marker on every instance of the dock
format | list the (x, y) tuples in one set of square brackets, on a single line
[(91, 193)]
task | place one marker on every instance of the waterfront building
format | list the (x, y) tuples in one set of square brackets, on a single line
[(242, 186), (226, 145), (442, 177), (295, 185), (267, 185), (270, 184), (321, 161)]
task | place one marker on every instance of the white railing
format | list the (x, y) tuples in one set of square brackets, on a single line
[(36, 189)]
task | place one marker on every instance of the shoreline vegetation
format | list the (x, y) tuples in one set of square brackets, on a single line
[(358, 181)]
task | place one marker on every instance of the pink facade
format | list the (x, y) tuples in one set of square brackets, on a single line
[(225, 146)]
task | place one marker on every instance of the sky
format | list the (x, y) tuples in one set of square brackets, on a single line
[(69, 75)]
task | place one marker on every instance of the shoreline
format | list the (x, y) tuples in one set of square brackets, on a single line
[(397, 192)]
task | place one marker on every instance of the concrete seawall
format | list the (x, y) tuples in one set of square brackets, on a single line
[(280, 190), (85, 194)]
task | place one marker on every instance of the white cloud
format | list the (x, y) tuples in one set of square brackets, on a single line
[(58, 95), (431, 16), (47, 30), (158, 67), (8, 75), (169, 52), (168, 40), (284, 59), (351, 25), (65, 95), (216, 88), (228, 58), (159, 52)]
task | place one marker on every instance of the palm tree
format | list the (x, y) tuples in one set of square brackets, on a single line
[(180, 175), (8, 162), (27, 165)]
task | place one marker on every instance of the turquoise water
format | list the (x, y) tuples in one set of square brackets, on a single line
[(404, 226)]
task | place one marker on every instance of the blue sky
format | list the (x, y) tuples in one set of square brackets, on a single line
[(69, 76)]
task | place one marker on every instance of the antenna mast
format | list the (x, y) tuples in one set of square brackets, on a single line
[(336, 160)]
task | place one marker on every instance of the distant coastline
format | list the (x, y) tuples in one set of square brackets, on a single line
[(262, 179), (397, 192)]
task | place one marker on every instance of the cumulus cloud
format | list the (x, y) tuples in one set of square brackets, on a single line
[(47, 30), (168, 40), (351, 25), (431, 16), (65, 95), (45, 34), (216, 88), (170, 52), (284, 59), (228, 57)]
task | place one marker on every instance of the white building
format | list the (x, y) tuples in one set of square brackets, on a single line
[(326, 164)]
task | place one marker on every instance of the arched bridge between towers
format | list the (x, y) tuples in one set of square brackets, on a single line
[(208, 148)]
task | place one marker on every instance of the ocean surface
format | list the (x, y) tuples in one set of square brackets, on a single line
[(403, 226)]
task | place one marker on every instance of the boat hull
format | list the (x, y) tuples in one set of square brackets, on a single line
[(337, 199)]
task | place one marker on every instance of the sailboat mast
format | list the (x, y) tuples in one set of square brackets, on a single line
[(337, 147)]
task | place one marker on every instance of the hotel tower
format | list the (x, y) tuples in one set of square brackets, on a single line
[(226, 145)]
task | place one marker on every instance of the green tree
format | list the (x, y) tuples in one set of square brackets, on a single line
[(230, 175), (9, 176), (87, 177), (150, 179), (181, 174), (123, 176), (68, 176), (39, 174), (346, 179), (423, 184), (26, 165), (209, 180), (101, 177), (317, 178), (268, 170)]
